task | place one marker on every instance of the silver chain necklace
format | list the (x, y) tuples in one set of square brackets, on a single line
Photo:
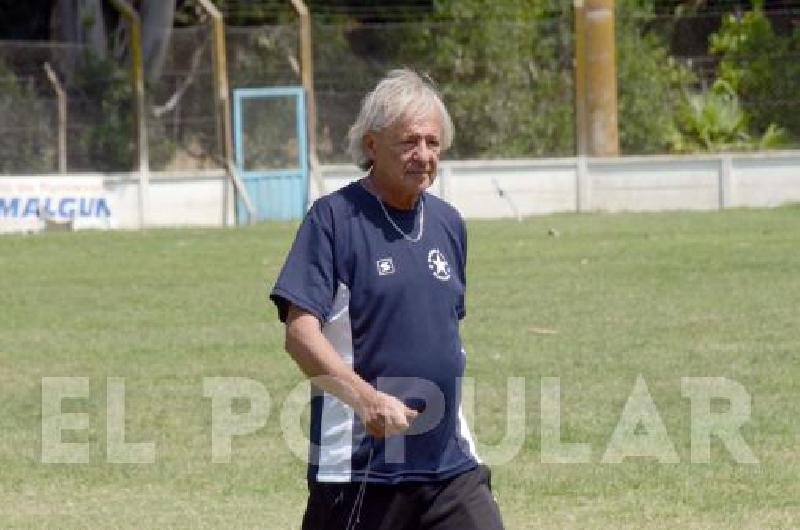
[(407, 237)]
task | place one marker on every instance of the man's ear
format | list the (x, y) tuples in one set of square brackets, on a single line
[(369, 144)]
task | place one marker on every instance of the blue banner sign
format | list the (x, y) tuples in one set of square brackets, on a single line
[(27, 203)]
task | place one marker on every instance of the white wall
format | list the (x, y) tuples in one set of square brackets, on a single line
[(765, 182), (174, 199), (505, 188), (501, 188), (643, 185), (511, 188)]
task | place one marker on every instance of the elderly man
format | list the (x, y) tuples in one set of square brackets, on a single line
[(372, 293)]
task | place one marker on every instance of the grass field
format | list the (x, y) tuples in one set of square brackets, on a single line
[(661, 295)]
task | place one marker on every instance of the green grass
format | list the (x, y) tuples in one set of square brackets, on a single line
[(661, 295)]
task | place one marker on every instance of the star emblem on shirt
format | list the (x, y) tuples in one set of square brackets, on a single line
[(438, 265)]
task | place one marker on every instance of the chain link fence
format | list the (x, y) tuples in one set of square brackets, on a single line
[(181, 122), (28, 107), (507, 82), (708, 81)]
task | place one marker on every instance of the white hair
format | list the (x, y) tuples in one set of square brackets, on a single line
[(401, 94)]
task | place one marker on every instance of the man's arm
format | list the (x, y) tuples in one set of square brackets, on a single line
[(382, 414)]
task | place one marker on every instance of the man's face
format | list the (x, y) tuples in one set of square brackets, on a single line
[(405, 155)]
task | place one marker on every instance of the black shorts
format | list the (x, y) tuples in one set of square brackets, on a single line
[(464, 502)]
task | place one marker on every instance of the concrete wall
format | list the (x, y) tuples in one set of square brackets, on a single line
[(506, 188), (175, 199), (765, 182), (643, 185), (492, 188)]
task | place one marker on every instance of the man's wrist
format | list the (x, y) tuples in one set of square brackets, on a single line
[(364, 395)]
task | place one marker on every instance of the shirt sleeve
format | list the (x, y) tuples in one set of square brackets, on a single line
[(308, 279)]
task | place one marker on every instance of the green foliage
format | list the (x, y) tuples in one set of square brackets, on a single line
[(715, 121), (103, 96), (106, 97), (101, 118), (27, 140), (502, 73), (740, 112), (339, 91), (650, 82), (762, 69), (504, 70), (749, 36)]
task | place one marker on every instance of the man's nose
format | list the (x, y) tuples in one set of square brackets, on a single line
[(423, 151)]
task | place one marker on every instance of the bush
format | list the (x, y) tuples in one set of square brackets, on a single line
[(504, 77), (27, 139), (650, 82), (761, 68), (714, 121)]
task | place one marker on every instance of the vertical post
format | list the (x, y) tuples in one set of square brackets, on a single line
[(583, 184), (137, 79), (62, 117), (579, 73), (581, 121), (223, 114), (725, 181), (601, 78), (307, 76)]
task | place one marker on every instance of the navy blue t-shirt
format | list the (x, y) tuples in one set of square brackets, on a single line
[(391, 308)]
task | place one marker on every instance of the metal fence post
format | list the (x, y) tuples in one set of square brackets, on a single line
[(223, 104), (307, 75), (61, 94), (137, 79)]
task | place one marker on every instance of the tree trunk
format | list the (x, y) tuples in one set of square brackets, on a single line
[(157, 18), (63, 29), (92, 27), (79, 22)]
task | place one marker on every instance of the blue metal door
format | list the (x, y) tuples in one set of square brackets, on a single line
[(269, 134)]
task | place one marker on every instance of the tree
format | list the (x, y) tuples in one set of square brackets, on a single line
[(761, 67), (503, 72), (748, 97), (714, 121), (505, 69), (98, 26), (98, 78), (26, 132), (650, 81)]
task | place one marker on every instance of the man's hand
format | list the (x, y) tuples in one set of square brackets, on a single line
[(384, 415)]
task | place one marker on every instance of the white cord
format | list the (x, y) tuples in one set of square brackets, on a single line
[(359, 502)]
